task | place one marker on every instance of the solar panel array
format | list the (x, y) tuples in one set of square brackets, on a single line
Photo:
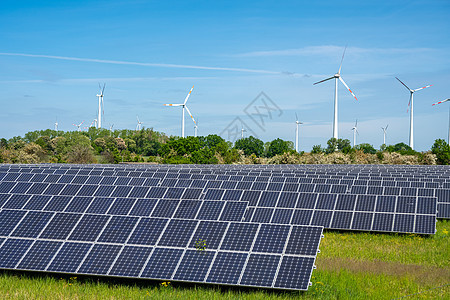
[(145, 220)]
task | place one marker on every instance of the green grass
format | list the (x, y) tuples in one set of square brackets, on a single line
[(351, 265)]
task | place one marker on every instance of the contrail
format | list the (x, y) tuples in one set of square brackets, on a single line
[(118, 62)]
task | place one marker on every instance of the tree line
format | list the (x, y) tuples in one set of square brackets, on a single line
[(146, 145)]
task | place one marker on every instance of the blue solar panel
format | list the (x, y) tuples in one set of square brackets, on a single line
[(239, 237), (162, 263), (260, 270), (88, 228), (143, 207), (148, 231), (12, 251), (131, 261), (69, 257), (227, 268), (16, 201), (118, 230), (294, 273), (100, 259), (233, 211), (32, 224), (177, 233), (60, 226), (39, 255), (194, 265), (121, 206)]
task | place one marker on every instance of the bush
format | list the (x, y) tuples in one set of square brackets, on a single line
[(442, 151), (250, 145), (277, 147)]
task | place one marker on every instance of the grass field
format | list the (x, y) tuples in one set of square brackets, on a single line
[(351, 265)]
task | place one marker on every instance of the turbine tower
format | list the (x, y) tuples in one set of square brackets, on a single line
[(411, 116), (355, 131), (242, 132), (195, 128), (297, 122), (78, 125), (56, 125), (138, 127), (448, 141), (337, 77), (384, 134), (101, 108)]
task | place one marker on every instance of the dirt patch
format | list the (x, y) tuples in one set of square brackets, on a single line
[(420, 274)]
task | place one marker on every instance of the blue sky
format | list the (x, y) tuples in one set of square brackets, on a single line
[(54, 54)]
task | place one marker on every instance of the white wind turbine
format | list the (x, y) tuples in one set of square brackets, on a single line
[(355, 131), (56, 125), (101, 108), (384, 134), (448, 141), (411, 116), (242, 132), (139, 123), (337, 77), (297, 123), (184, 106), (195, 128), (78, 126), (110, 129)]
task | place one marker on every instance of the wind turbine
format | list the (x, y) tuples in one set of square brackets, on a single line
[(411, 116), (384, 134), (110, 129), (242, 132), (355, 131), (337, 77), (138, 127), (297, 122), (195, 128), (448, 141), (101, 108), (184, 106), (56, 125), (78, 126)]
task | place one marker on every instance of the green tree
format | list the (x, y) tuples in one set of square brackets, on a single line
[(250, 145), (277, 147), (342, 145), (366, 148), (442, 151), (317, 149)]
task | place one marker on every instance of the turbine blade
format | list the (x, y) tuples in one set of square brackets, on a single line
[(422, 88), (343, 82), (441, 102), (137, 119), (103, 87), (187, 97), (173, 104), (190, 114), (323, 80), (296, 117), (342, 59), (387, 126), (403, 84)]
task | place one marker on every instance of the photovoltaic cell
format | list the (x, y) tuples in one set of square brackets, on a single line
[(260, 270), (12, 251), (100, 259), (39, 255), (131, 261), (227, 267), (69, 257), (194, 265)]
